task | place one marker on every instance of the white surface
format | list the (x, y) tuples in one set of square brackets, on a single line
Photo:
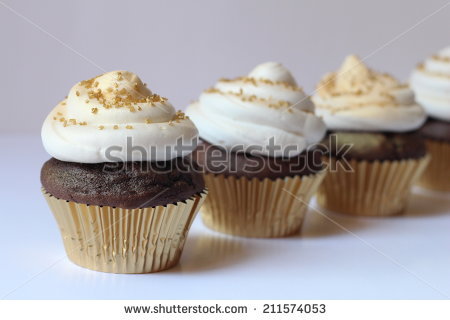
[(325, 262)]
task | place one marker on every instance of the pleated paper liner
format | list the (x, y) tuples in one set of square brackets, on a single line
[(375, 188), (258, 208), (437, 174), (119, 240)]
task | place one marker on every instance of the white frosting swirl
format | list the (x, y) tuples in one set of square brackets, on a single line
[(114, 117), (431, 84), (358, 98), (251, 111)]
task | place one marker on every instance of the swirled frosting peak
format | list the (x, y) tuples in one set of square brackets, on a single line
[(358, 98), (115, 117), (431, 84), (264, 108), (273, 71)]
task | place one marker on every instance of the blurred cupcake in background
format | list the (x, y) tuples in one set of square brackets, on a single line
[(255, 132), (123, 195), (431, 84), (374, 154)]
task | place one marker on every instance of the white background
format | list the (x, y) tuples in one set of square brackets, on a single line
[(181, 48), (404, 257)]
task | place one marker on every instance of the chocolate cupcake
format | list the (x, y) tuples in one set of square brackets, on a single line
[(431, 84), (259, 172), (373, 154), (120, 183)]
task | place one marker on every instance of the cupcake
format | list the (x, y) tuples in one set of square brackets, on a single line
[(431, 84), (119, 183), (255, 132), (373, 153)]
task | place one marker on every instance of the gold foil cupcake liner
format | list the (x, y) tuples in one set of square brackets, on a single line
[(117, 240), (375, 188), (258, 208), (437, 174)]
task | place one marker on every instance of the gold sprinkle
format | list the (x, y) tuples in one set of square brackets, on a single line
[(63, 103), (256, 82), (59, 113), (73, 121), (101, 127), (94, 110), (129, 127), (54, 118), (116, 127), (148, 121), (87, 83), (118, 98), (179, 115)]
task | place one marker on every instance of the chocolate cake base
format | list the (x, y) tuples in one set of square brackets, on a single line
[(371, 146), (125, 185), (215, 160), (436, 130)]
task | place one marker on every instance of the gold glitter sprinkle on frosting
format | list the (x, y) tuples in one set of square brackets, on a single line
[(268, 85), (356, 86), (355, 81), (355, 78), (440, 63), (110, 91), (440, 58), (110, 109), (122, 89), (260, 82), (271, 103)]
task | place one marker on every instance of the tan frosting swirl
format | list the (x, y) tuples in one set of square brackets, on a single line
[(358, 98)]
